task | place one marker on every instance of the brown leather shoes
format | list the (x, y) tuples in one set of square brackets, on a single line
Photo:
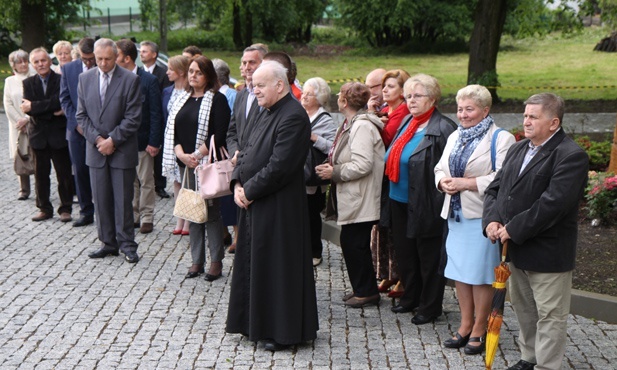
[(41, 216), (65, 217), (358, 302), (146, 228)]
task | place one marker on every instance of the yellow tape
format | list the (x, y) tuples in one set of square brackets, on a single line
[(498, 285)]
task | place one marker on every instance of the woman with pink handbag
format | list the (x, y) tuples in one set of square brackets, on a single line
[(195, 117)]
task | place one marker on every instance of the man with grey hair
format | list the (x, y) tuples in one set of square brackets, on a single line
[(41, 101), (245, 107), (533, 205), (109, 112), (272, 295)]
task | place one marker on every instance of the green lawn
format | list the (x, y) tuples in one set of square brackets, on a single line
[(566, 66)]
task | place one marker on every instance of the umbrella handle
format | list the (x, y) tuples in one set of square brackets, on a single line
[(504, 251)]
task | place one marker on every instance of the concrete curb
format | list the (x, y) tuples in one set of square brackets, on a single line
[(591, 305)]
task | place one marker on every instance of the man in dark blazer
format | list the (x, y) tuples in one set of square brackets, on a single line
[(533, 204), (245, 107), (149, 52), (46, 131), (74, 133), (109, 111), (149, 137)]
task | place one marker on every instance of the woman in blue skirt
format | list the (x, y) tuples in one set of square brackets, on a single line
[(465, 170)]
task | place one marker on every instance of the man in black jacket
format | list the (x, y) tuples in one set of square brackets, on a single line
[(47, 131), (533, 204)]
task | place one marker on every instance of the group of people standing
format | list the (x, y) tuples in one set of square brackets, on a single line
[(420, 199)]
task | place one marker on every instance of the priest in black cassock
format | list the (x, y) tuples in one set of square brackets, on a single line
[(272, 295)]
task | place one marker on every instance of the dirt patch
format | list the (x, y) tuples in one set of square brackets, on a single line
[(596, 260)]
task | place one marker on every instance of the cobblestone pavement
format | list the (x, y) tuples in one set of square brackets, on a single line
[(61, 310)]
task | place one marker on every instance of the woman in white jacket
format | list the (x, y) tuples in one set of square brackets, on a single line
[(355, 165), (13, 92), (464, 171)]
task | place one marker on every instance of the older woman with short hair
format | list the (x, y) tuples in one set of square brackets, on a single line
[(62, 50), (13, 93), (465, 170), (315, 96), (415, 203), (355, 165)]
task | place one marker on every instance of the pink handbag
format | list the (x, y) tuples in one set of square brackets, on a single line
[(215, 175)]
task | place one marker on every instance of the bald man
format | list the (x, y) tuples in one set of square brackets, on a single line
[(374, 83)]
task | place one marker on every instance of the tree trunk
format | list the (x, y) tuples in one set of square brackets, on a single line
[(33, 28), (612, 167), (248, 24), (237, 25), (163, 25), (490, 17)]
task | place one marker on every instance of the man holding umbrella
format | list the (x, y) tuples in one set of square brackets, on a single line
[(533, 202)]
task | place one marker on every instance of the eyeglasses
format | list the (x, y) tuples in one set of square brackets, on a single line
[(374, 86), (415, 96)]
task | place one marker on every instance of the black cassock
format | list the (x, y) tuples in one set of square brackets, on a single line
[(272, 287)]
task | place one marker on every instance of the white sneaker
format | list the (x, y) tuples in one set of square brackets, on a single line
[(316, 261)]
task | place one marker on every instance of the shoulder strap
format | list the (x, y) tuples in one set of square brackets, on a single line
[(494, 147), (319, 117)]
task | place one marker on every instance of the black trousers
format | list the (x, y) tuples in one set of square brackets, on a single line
[(418, 262), (43, 159), (356, 245), (316, 204)]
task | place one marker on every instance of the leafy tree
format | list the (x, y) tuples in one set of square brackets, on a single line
[(396, 22)]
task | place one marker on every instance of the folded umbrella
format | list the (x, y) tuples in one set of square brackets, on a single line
[(495, 319)]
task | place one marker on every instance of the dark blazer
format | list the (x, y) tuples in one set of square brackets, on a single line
[(539, 207), (425, 201), (46, 128), (239, 126), (68, 96), (151, 129), (165, 97), (118, 118), (161, 76)]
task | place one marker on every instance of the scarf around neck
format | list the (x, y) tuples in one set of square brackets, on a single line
[(468, 140), (393, 165)]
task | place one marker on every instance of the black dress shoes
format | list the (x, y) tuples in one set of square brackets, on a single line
[(161, 193), (459, 342), (420, 319), (83, 221), (270, 345), (103, 252), (210, 277), (475, 350), (359, 302), (131, 257), (194, 272), (400, 309), (522, 365)]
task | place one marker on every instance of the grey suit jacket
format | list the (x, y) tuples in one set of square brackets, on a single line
[(118, 118), (240, 126)]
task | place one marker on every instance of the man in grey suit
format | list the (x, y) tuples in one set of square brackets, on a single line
[(245, 106), (109, 111)]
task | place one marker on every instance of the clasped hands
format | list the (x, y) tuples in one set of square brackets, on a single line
[(324, 171), (105, 146), (240, 197), (496, 231), (453, 185)]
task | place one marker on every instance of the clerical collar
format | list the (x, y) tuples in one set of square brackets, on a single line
[(279, 103)]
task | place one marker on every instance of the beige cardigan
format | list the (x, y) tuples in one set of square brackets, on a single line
[(358, 160), (13, 92), (479, 166)]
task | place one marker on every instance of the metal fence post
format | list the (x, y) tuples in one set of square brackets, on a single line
[(131, 19), (109, 21)]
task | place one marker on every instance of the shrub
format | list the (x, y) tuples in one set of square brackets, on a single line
[(599, 152), (601, 196)]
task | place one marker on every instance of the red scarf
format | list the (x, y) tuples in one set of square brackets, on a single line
[(393, 167)]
